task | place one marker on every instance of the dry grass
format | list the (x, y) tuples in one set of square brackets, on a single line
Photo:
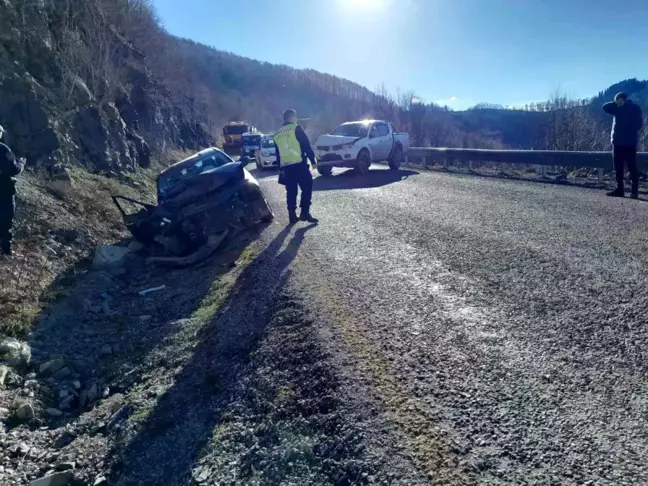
[(55, 237)]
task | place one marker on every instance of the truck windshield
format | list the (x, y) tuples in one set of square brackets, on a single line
[(352, 130), (235, 129)]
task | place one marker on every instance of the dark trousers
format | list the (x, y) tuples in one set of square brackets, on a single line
[(626, 157), (7, 211), (298, 176)]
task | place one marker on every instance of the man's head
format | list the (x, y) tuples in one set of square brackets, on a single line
[(290, 116), (620, 98)]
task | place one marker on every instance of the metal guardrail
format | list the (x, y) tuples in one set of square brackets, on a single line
[(596, 160)]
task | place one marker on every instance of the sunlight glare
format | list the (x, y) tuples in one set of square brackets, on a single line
[(366, 5)]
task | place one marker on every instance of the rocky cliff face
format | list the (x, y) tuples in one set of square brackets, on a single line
[(53, 116)]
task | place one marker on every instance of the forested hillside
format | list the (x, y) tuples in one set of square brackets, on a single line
[(102, 84)]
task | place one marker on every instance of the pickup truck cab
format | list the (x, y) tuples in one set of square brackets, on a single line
[(358, 144)]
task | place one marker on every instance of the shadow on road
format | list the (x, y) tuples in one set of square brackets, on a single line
[(171, 437), (261, 173), (351, 180)]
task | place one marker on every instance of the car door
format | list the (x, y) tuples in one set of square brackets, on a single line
[(383, 141)]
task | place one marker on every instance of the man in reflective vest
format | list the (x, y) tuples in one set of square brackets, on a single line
[(293, 151)]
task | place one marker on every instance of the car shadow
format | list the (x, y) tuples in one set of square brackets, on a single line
[(261, 173), (351, 180)]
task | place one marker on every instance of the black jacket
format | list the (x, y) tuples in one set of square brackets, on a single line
[(304, 143), (628, 120), (10, 167)]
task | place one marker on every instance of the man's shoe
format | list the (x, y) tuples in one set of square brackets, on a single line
[(634, 195), (292, 217), (616, 193), (309, 218)]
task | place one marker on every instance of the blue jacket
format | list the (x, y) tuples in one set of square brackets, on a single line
[(628, 120)]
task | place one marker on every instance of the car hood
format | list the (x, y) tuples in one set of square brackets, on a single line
[(325, 140)]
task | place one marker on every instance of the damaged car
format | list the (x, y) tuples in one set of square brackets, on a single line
[(202, 200)]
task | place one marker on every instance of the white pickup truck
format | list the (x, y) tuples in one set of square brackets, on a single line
[(358, 144)]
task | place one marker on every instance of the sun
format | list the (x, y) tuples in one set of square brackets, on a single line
[(367, 5)]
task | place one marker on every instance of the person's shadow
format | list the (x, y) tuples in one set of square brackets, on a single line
[(167, 445)]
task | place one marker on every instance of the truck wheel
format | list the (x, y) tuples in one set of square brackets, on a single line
[(325, 171), (363, 162), (396, 158)]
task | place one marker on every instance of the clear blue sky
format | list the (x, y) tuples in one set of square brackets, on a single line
[(462, 51)]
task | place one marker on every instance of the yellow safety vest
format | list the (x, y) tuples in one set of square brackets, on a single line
[(289, 149)]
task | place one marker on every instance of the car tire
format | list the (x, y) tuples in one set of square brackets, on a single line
[(397, 158), (363, 162), (327, 170)]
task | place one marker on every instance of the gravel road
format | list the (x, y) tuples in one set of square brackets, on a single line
[(497, 328)]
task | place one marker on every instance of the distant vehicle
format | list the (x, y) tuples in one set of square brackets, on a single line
[(358, 144), (202, 200), (250, 143), (267, 156), (233, 133)]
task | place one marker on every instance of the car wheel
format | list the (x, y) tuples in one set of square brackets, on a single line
[(363, 162), (396, 158), (325, 171)]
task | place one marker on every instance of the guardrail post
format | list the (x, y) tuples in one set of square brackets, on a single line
[(425, 161), (600, 175), (544, 171), (445, 163), (470, 165)]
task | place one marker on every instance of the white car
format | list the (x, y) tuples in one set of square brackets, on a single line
[(358, 144), (266, 156)]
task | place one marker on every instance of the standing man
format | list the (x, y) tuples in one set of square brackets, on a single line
[(9, 168), (293, 151), (628, 120)]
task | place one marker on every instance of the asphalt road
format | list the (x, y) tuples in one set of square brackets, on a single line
[(499, 327)]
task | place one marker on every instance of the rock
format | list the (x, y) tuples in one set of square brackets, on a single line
[(52, 366), (76, 384), (5, 413), (54, 412), (65, 466), (105, 393), (21, 449), (25, 412), (3, 374), (105, 350), (105, 307), (14, 352), (93, 392), (62, 374), (61, 183), (145, 318), (107, 256), (57, 479), (66, 403), (64, 439), (135, 246), (64, 393), (100, 481)]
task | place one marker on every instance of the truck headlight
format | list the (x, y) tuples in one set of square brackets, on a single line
[(343, 146)]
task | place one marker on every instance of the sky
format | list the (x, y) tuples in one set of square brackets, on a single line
[(454, 52)]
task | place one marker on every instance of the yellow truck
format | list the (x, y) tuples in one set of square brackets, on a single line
[(233, 133)]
